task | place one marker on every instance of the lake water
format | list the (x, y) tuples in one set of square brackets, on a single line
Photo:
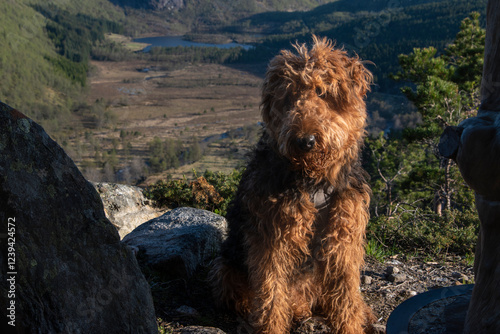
[(173, 41)]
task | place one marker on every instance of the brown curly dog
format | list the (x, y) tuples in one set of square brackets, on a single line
[(297, 224)]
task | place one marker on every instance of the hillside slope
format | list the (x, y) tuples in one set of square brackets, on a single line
[(376, 30), (233, 5), (36, 69), (29, 80), (182, 16)]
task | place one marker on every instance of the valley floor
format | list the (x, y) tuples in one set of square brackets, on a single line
[(208, 103)]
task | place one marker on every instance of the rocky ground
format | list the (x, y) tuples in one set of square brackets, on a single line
[(385, 285)]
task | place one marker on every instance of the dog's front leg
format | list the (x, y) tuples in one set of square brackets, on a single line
[(268, 276), (277, 245), (343, 252)]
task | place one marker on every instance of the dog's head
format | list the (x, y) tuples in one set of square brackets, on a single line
[(313, 105)]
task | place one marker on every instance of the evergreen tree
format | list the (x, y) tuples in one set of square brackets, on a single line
[(445, 91), (417, 194), (445, 87)]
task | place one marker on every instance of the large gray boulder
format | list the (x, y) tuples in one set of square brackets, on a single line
[(125, 206), (179, 241), (67, 270)]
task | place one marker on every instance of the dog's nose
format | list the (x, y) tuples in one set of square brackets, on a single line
[(306, 143)]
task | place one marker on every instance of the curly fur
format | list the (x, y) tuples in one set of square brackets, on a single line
[(286, 256)]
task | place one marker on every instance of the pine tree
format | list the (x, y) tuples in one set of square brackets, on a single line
[(419, 198), (445, 87), (445, 92)]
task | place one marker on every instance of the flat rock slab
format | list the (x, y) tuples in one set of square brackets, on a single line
[(179, 241)]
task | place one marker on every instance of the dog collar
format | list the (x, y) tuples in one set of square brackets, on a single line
[(321, 198)]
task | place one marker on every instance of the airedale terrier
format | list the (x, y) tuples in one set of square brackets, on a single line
[(297, 224)]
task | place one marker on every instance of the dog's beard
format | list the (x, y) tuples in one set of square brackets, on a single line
[(312, 164)]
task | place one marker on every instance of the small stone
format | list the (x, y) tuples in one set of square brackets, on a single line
[(365, 279), (392, 270), (412, 293), (125, 206), (396, 278), (394, 262), (460, 277), (443, 280)]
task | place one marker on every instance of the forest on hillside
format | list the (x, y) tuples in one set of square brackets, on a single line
[(44, 61), (378, 33)]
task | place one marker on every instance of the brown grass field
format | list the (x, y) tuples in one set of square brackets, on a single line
[(197, 102)]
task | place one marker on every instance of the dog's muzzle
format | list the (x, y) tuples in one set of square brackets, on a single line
[(306, 143)]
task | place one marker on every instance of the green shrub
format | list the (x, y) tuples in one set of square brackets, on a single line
[(212, 192)]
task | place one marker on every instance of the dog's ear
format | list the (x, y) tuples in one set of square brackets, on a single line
[(270, 86), (360, 76), (348, 75), (282, 68)]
